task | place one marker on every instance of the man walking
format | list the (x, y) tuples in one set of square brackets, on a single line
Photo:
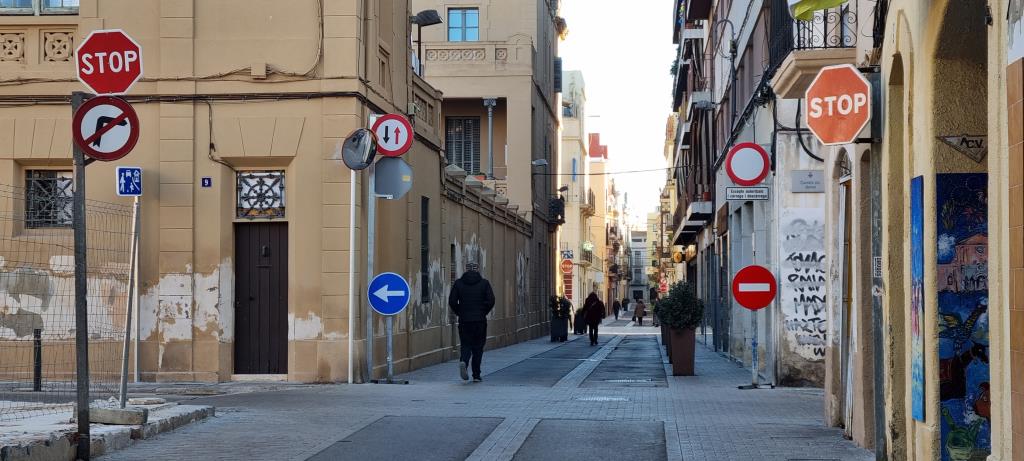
[(471, 299)]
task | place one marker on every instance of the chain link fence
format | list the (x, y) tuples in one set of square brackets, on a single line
[(37, 295)]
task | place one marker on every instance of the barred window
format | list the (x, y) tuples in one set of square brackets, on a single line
[(38, 7), (462, 140), (48, 198), (260, 194)]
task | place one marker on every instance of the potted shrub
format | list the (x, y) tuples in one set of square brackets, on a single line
[(681, 311)]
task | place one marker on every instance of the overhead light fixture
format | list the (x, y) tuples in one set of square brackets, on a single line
[(422, 19)]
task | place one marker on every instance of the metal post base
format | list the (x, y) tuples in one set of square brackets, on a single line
[(756, 386), (388, 381)]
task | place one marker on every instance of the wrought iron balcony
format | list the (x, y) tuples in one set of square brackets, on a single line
[(799, 49)]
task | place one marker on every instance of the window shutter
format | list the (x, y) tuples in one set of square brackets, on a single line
[(558, 75)]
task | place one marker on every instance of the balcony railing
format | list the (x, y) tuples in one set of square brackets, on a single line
[(831, 28), (588, 203)]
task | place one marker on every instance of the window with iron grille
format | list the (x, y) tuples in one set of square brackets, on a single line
[(38, 7), (48, 198), (463, 24), (462, 141), (260, 194)]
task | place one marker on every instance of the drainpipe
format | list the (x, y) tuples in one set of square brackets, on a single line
[(489, 103)]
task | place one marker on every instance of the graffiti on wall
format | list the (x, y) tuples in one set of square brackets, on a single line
[(423, 313), (802, 275), (962, 276), (917, 297)]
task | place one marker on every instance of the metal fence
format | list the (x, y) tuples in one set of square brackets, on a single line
[(37, 300)]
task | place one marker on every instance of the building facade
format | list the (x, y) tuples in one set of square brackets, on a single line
[(896, 269), (245, 259)]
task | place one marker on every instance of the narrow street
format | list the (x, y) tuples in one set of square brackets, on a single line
[(538, 401)]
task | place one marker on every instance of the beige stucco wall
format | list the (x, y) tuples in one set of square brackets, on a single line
[(931, 63), (199, 58)]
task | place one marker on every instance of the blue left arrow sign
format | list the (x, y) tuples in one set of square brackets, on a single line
[(388, 293)]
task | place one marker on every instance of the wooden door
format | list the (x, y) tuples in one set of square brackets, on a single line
[(261, 298)]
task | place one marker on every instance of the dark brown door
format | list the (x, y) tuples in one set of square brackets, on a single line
[(261, 298)]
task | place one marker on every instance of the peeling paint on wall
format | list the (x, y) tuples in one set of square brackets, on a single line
[(1015, 31), (522, 283), (423, 313), (311, 327), (32, 298)]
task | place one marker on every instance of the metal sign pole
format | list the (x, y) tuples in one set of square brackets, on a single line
[(754, 381), (371, 229), (351, 268), (135, 283), (81, 291), (388, 326), (131, 304)]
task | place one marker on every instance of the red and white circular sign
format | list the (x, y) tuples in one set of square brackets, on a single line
[(109, 61), (394, 135), (747, 164), (566, 266), (754, 287), (105, 128)]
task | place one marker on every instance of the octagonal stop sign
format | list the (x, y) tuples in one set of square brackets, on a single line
[(838, 104), (108, 62)]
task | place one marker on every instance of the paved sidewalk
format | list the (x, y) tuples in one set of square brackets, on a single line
[(620, 387)]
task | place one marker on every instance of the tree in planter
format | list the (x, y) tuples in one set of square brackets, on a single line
[(681, 311)]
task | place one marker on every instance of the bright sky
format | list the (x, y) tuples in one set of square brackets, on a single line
[(625, 52)]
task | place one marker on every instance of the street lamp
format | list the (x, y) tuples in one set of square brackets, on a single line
[(423, 18)]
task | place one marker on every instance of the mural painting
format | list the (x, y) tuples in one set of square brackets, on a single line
[(962, 276), (917, 297), (803, 277)]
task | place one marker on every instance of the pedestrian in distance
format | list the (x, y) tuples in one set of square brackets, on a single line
[(580, 322), (593, 313), (616, 307), (472, 298), (640, 311)]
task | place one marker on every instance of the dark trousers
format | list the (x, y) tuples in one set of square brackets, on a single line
[(473, 336), (593, 334), (616, 314)]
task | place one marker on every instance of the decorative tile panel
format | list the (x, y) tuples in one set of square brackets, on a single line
[(12, 47), (58, 46)]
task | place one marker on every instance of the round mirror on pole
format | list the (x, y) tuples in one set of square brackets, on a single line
[(359, 149)]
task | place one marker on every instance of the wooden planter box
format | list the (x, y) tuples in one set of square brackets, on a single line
[(682, 346)]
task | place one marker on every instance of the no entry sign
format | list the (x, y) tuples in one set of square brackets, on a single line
[(838, 104), (747, 164), (105, 128), (394, 135), (109, 61), (754, 287)]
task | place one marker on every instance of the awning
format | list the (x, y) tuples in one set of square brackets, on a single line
[(697, 216)]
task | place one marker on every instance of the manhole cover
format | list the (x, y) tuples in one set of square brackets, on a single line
[(644, 380), (602, 399)]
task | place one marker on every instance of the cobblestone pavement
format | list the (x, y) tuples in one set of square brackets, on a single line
[(693, 418)]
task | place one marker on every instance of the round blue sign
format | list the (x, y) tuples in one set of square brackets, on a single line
[(388, 293)]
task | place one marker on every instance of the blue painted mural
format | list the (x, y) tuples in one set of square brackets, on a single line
[(962, 283), (917, 297)]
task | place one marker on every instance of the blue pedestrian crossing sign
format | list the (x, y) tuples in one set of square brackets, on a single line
[(388, 293), (129, 181)]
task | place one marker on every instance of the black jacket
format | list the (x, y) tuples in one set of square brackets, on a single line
[(471, 298)]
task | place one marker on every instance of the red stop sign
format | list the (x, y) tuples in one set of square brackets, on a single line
[(838, 104), (109, 61), (754, 287)]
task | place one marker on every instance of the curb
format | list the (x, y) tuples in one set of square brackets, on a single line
[(60, 443)]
